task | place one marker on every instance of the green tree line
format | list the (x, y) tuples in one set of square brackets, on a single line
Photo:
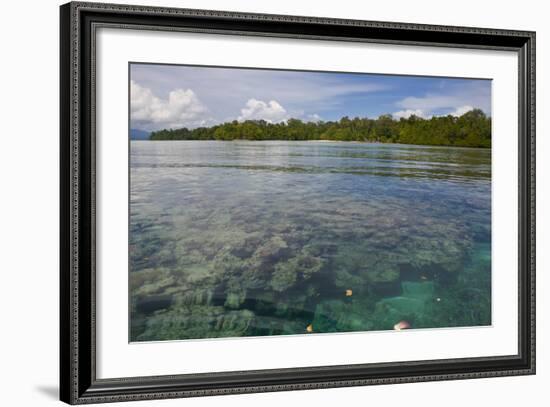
[(472, 129)]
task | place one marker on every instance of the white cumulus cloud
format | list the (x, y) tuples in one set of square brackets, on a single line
[(313, 118), (429, 102), (182, 109), (408, 113), (456, 99), (271, 111), (461, 110)]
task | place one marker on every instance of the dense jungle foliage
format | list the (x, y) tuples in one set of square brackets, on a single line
[(473, 129)]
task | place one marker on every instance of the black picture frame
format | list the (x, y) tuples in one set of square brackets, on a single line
[(78, 382)]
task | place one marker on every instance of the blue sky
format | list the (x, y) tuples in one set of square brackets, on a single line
[(175, 96)]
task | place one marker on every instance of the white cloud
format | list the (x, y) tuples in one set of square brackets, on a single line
[(271, 112), (457, 100), (429, 102), (461, 110), (313, 118), (222, 90), (408, 113), (181, 109)]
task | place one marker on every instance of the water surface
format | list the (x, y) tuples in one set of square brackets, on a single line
[(246, 238)]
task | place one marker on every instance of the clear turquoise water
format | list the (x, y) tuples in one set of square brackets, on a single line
[(247, 238)]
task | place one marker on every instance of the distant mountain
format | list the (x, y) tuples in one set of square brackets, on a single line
[(136, 134)]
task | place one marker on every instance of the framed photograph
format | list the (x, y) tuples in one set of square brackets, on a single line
[(255, 203)]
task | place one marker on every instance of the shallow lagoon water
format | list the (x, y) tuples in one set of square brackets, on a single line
[(243, 238)]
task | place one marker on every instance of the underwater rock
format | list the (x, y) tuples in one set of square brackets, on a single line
[(284, 276), (195, 297), (253, 276), (286, 273), (227, 264), (382, 275), (198, 276), (235, 298), (308, 265), (281, 308), (242, 252), (272, 250), (344, 279), (321, 248), (245, 248), (191, 322), (150, 281)]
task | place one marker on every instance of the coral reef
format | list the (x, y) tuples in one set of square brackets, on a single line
[(278, 251)]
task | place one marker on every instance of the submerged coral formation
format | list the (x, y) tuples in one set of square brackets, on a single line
[(221, 252)]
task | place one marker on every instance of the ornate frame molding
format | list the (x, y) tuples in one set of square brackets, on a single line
[(79, 21)]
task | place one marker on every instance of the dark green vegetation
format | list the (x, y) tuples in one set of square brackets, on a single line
[(473, 129)]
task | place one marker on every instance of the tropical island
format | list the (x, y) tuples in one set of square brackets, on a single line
[(472, 129)]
